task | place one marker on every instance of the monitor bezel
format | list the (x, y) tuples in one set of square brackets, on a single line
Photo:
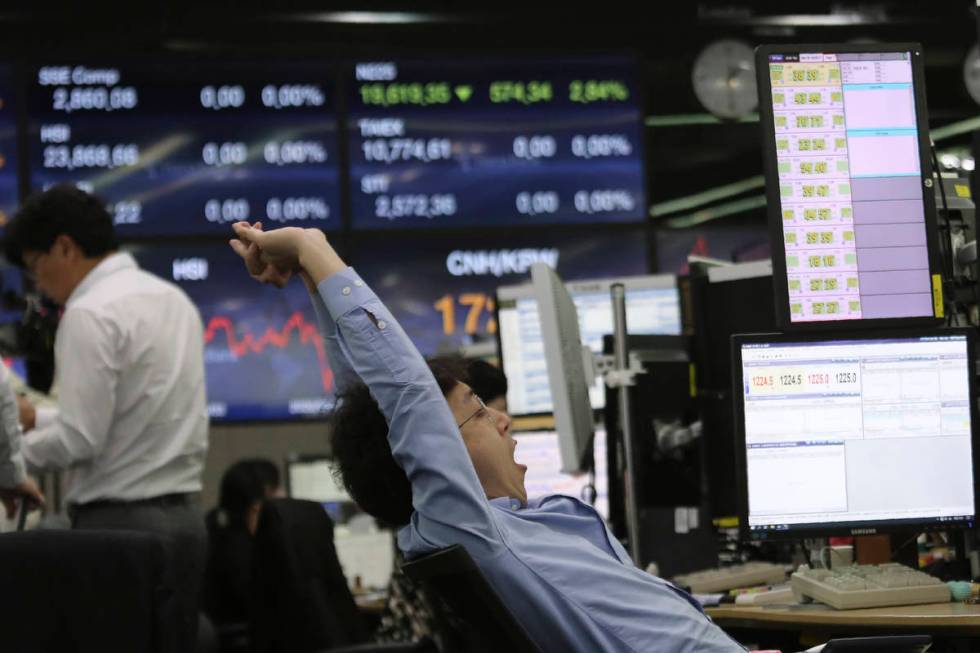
[(774, 203), (844, 528)]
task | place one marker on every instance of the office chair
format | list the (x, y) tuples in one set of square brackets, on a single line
[(87, 592), (302, 603), (474, 618), (890, 644)]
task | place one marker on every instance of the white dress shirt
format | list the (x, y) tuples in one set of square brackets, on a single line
[(129, 366)]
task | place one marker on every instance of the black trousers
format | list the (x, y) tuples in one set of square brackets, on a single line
[(179, 522)]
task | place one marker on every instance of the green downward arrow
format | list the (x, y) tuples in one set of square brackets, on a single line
[(464, 93)]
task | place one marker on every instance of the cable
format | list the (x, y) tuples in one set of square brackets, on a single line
[(903, 545)]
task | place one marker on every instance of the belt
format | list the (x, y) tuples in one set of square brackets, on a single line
[(163, 501)]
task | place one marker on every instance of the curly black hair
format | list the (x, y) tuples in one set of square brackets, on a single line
[(362, 456), (62, 209), (488, 381)]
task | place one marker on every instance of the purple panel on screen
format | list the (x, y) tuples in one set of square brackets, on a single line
[(888, 212), (883, 260), (889, 235), (890, 283), (886, 188), (891, 306)]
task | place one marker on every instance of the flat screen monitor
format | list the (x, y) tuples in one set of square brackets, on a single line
[(312, 478), (564, 355), (652, 308), (441, 287), (366, 553), (851, 208), (185, 147), (263, 354), (493, 141), (726, 300), (857, 434), (539, 450), (8, 146), (11, 293)]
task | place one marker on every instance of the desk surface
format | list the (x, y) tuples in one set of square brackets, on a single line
[(960, 617), (533, 423)]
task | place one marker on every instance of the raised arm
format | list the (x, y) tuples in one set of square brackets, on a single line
[(343, 375), (425, 441), (264, 270)]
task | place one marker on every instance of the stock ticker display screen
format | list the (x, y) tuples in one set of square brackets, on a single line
[(187, 148), (8, 146), (849, 161), (441, 288), (458, 143), (263, 354)]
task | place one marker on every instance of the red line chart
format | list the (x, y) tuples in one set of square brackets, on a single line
[(296, 325)]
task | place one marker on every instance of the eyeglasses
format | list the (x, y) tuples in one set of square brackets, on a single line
[(480, 412)]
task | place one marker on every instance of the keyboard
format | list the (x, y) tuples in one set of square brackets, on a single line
[(748, 574), (868, 586)]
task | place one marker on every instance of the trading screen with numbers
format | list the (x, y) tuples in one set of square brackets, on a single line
[(821, 417), (189, 153), (8, 146), (850, 186), (441, 288), (489, 143)]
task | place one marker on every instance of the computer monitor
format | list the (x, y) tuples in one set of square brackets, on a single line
[(183, 147), (855, 434), (540, 451), (652, 308), (8, 145), (494, 141), (264, 357), (440, 286), (312, 478), (564, 358), (726, 300), (851, 210), (365, 552)]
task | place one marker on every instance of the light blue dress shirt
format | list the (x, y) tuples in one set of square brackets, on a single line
[(554, 563)]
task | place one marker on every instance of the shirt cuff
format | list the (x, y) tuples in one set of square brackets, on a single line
[(344, 291), (44, 417)]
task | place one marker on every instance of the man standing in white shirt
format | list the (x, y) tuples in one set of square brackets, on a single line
[(129, 366), (14, 481)]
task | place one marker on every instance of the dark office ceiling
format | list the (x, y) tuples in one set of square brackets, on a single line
[(687, 157)]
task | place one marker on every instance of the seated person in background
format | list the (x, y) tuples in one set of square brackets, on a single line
[(489, 383), (231, 527), (441, 467)]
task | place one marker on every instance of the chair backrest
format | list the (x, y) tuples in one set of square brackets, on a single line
[(467, 604), (886, 644), (86, 591), (302, 602)]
